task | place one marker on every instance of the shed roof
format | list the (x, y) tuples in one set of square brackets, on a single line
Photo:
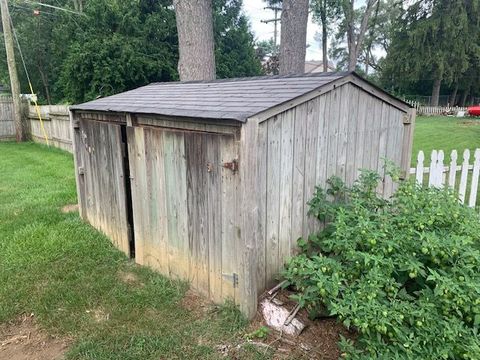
[(229, 99)]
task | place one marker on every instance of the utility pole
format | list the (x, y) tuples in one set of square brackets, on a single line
[(12, 70), (275, 20)]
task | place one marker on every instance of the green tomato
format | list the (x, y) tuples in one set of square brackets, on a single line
[(373, 242), (412, 275), (424, 250)]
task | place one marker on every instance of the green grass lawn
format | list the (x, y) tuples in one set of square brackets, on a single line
[(56, 266), (445, 133)]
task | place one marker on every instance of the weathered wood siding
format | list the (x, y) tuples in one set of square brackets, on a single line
[(185, 206), (100, 177), (337, 133), (7, 126)]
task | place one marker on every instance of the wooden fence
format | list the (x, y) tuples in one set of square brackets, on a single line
[(435, 110), (7, 126), (55, 118), (57, 126), (460, 174)]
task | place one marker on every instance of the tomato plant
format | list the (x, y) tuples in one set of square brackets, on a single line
[(403, 272)]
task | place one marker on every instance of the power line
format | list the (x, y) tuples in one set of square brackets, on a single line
[(54, 7), (275, 20)]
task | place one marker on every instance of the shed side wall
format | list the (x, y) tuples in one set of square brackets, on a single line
[(337, 133)]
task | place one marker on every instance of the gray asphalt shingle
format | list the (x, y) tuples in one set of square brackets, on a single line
[(232, 99)]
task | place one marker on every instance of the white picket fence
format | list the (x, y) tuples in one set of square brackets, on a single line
[(436, 110), (441, 175)]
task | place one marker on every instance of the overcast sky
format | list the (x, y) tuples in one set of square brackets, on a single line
[(254, 9)]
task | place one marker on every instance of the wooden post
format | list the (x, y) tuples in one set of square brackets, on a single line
[(407, 142), (12, 70)]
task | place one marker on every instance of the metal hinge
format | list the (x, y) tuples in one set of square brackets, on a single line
[(233, 278), (76, 124), (233, 165), (81, 170), (407, 119)]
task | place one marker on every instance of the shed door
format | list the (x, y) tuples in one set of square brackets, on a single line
[(102, 189), (184, 206)]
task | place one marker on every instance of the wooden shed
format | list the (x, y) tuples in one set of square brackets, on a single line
[(208, 181)]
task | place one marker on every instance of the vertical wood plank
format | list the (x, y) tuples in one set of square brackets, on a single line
[(136, 143), (407, 141), (273, 197), (464, 176), (260, 244), (214, 217), (419, 168), (476, 171), (433, 168), (343, 125), (354, 127), (298, 172), (452, 173), (286, 185), (230, 217), (439, 176), (249, 211)]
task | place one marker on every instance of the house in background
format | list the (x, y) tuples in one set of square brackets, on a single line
[(316, 66)]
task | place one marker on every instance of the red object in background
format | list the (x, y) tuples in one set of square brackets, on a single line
[(474, 110), (36, 12)]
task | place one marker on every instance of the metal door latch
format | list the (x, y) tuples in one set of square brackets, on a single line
[(232, 277), (233, 165)]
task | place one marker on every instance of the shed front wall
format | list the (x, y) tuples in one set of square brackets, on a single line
[(337, 133), (184, 206)]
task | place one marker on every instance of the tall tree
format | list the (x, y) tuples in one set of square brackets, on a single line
[(293, 38), (195, 39), (235, 54), (354, 35), (435, 43), (325, 13)]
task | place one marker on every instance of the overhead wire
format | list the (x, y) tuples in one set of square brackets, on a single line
[(34, 99)]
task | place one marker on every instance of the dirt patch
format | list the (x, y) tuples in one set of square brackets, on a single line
[(470, 123), (70, 208), (196, 303), (23, 340), (319, 340), (98, 315), (130, 278)]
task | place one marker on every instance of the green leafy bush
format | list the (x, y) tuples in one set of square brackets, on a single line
[(404, 273)]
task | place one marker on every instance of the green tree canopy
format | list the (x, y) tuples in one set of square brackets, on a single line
[(117, 45), (435, 42)]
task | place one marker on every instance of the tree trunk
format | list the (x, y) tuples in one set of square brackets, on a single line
[(195, 39), (453, 97), (355, 41), (436, 91), (465, 94), (323, 16), (20, 129), (45, 84), (293, 39)]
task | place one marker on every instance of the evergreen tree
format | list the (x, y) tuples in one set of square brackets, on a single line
[(436, 42)]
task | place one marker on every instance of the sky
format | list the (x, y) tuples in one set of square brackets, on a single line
[(254, 9)]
